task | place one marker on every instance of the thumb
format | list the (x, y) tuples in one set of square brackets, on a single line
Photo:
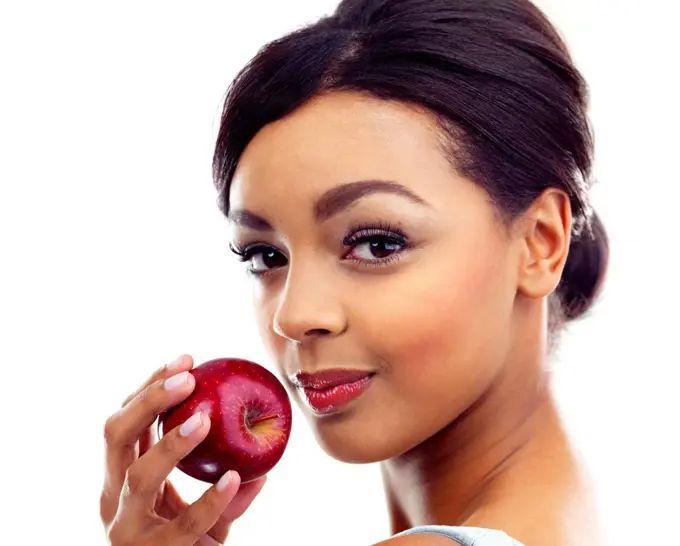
[(237, 507), (245, 496)]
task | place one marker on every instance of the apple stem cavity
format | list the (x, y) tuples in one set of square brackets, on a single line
[(263, 418)]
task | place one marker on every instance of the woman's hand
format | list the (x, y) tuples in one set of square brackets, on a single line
[(139, 506)]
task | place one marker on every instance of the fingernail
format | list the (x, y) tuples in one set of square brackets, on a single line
[(190, 425), (176, 363), (176, 381), (225, 480)]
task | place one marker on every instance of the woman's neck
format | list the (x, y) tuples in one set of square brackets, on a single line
[(505, 463)]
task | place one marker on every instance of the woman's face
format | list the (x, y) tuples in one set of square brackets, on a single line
[(412, 279)]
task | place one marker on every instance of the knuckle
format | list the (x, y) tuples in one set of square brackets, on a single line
[(103, 502), (210, 504), (156, 397), (160, 373), (188, 523), (145, 395), (106, 507), (128, 399), (118, 535), (150, 398), (169, 447), (112, 430), (135, 481)]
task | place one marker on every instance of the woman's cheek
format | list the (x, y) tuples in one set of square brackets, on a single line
[(264, 304), (438, 325)]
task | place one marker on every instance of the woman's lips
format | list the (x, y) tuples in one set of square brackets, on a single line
[(329, 391)]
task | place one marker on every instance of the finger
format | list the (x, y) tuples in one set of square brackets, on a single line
[(198, 518), (147, 439), (147, 474), (237, 507), (121, 446), (183, 363), (124, 429), (171, 502), (245, 496)]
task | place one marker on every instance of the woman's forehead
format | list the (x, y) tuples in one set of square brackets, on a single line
[(340, 138)]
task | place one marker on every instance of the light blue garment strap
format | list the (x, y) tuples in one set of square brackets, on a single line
[(466, 536)]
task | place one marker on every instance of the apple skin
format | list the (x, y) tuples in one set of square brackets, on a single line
[(250, 420)]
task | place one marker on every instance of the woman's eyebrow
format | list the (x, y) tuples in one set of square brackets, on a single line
[(332, 202), (247, 219), (340, 198)]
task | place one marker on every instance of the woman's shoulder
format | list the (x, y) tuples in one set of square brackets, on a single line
[(466, 536)]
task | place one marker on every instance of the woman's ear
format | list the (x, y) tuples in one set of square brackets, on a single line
[(546, 234)]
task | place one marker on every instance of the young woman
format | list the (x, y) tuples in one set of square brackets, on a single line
[(407, 182)]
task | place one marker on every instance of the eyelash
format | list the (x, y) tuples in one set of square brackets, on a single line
[(358, 234)]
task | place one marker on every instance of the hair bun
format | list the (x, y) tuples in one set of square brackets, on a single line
[(585, 270)]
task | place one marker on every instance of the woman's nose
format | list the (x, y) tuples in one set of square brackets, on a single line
[(308, 307)]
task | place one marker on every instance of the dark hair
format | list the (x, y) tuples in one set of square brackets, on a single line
[(495, 75)]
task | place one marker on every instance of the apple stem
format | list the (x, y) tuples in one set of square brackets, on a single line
[(261, 418)]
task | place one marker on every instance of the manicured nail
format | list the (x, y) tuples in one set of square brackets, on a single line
[(176, 381), (190, 425), (225, 480), (176, 363)]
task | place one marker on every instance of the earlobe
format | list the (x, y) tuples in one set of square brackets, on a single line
[(546, 232)]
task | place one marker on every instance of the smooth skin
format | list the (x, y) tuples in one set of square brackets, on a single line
[(453, 321)]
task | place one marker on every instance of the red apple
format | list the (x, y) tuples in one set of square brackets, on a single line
[(250, 420)]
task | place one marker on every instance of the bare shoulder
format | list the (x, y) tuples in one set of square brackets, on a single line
[(418, 539)]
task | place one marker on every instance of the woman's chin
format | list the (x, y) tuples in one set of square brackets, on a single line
[(347, 437)]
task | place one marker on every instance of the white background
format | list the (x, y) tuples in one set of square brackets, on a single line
[(114, 260)]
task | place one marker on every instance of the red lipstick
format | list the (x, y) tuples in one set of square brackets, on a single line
[(328, 391)]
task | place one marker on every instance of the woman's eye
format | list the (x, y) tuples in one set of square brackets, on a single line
[(365, 248), (377, 248), (265, 259)]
